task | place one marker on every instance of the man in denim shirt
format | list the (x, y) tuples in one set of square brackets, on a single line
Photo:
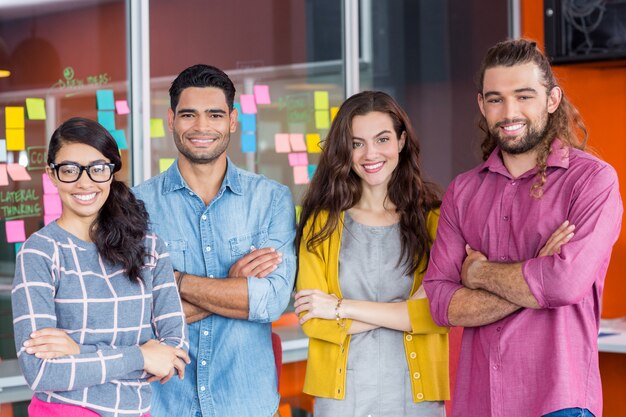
[(230, 235)]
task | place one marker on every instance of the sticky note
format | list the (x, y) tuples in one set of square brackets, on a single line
[(297, 142), (281, 141), (3, 150), (248, 105), (313, 143), (300, 175), (248, 122), (18, 246), (248, 142), (120, 138), (107, 119), (298, 159), (105, 100), (17, 172), (48, 186), (165, 163), (321, 100), (14, 117), (262, 94), (333, 113), (49, 218), (321, 119), (15, 231), (15, 140), (121, 106), (4, 178), (312, 169), (298, 212), (238, 107), (156, 128), (52, 204), (36, 108)]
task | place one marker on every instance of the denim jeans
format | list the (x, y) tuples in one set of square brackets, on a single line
[(570, 412)]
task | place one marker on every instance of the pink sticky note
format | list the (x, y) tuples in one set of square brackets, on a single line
[(49, 218), (122, 107), (248, 105), (52, 204), (18, 172), (297, 142), (262, 94), (298, 159), (4, 179), (15, 231), (48, 186), (281, 141), (301, 175)]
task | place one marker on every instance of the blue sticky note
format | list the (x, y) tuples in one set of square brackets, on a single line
[(104, 99), (120, 138), (248, 142), (238, 107), (18, 246), (312, 169), (248, 122), (107, 119)]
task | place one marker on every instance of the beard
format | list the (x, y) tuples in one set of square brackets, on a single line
[(535, 134), (202, 157)]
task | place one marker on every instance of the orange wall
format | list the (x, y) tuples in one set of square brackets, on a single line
[(598, 90)]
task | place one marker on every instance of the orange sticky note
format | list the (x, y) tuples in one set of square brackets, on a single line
[(301, 174), (15, 140), (17, 172), (14, 117), (333, 113), (313, 143), (281, 142), (297, 142)]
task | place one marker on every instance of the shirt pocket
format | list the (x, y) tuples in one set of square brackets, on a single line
[(177, 250), (241, 245)]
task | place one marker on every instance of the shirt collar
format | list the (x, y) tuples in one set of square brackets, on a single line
[(558, 158), (173, 180)]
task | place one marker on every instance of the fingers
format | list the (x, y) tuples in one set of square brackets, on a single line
[(154, 378), (305, 318), (179, 365), (183, 355), (256, 262), (167, 377), (563, 234)]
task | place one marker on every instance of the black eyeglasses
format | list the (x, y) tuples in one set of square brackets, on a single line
[(70, 172)]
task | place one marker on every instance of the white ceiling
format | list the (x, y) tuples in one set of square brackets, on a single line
[(15, 9)]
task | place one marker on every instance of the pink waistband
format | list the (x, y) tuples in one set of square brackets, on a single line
[(38, 408)]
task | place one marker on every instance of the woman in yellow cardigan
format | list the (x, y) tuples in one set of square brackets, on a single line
[(367, 223)]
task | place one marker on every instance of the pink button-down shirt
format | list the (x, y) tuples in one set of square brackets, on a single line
[(534, 361)]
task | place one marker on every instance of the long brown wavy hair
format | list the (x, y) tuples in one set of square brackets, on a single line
[(335, 187), (565, 123)]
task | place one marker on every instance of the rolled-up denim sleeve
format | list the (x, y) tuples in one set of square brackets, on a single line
[(268, 297)]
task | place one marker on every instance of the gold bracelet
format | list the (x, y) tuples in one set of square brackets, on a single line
[(340, 321)]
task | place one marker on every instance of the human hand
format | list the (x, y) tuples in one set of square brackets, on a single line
[(258, 263), (194, 313), (473, 259), (561, 236), (51, 343), (316, 303), (162, 361)]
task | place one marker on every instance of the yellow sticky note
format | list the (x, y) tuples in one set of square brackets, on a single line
[(321, 100), (14, 117), (313, 143), (165, 163), (36, 108), (15, 140), (156, 128), (298, 212), (333, 113), (322, 121)]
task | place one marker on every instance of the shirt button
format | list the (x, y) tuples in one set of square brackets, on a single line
[(413, 355), (339, 371), (513, 182), (203, 217), (203, 363), (505, 218), (208, 249), (416, 375), (206, 332), (503, 258), (498, 329), (202, 388), (190, 192), (409, 337), (420, 396), (495, 367), (211, 276)]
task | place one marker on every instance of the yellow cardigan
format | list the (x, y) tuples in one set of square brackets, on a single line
[(426, 346)]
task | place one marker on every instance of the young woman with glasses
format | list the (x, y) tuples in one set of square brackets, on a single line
[(96, 312)]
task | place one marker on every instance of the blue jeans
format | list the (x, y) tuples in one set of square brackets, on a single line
[(570, 412)]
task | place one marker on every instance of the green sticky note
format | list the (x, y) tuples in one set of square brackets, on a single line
[(156, 128), (36, 108), (107, 119), (120, 138), (165, 163), (321, 100), (322, 119), (298, 211), (104, 100)]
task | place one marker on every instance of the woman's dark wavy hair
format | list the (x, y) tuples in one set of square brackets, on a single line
[(335, 187), (565, 123), (122, 224)]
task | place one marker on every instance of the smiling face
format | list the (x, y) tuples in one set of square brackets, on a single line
[(516, 106), (201, 124), (83, 199), (375, 148)]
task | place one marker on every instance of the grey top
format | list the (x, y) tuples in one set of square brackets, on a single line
[(61, 281), (378, 383)]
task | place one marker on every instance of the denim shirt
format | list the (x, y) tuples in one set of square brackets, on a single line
[(232, 370)]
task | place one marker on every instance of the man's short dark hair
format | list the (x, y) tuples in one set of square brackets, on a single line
[(201, 75)]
